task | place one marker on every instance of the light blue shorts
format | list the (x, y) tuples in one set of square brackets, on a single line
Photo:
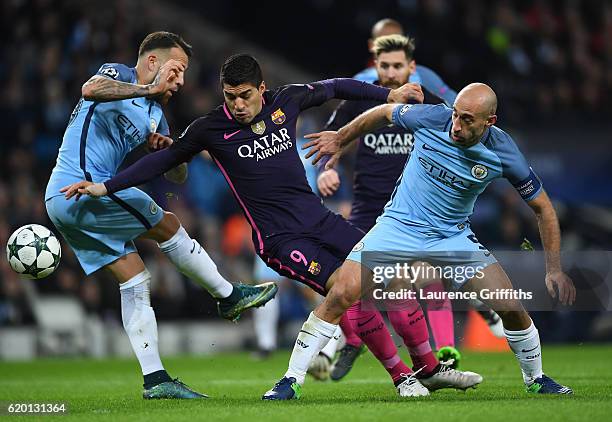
[(455, 251), (101, 230)]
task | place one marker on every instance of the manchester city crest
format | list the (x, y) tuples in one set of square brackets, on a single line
[(479, 171), (153, 125), (153, 208), (278, 117), (359, 246), (259, 127)]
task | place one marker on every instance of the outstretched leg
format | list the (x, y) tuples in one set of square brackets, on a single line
[(190, 258), (141, 327)]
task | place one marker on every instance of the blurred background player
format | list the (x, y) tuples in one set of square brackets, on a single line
[(419, 74), (265, 318), (120, 107)]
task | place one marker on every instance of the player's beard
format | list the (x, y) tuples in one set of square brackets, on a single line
[(163, 99), (391, 84)]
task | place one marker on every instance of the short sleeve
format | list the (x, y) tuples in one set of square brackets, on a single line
[(529, 187), (421, 116), (116, 71), (515, 167)]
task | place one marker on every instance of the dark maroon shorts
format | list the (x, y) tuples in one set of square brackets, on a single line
[(311, 257)]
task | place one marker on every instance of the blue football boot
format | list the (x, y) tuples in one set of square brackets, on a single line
[(285, 389)]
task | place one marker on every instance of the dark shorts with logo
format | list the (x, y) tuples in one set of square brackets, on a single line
[(311, 257)]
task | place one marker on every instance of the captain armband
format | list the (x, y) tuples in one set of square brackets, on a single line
[(529, 187)]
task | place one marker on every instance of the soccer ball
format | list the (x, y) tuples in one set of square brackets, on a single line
[(33, 251)]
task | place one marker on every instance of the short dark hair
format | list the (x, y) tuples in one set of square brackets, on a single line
[(239, 69), (395, 42), (163, 39)]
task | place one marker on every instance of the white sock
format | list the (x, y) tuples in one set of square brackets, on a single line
[(313, 336), (139, 321), (526, 346), (330, 348), (193, 261), (265, 320)]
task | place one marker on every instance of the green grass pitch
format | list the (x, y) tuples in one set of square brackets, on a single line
[(110, 389)]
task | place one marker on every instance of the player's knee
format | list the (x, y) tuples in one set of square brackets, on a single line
[(166, 228), (170, 222), (347, 288), (515, 320)]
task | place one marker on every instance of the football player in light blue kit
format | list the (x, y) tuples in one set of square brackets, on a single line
[(457, 153), (120, 108)]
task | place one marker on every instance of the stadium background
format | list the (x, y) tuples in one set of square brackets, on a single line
[(549, 61)]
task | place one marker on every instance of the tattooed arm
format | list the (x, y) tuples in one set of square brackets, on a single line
[(102, 88)]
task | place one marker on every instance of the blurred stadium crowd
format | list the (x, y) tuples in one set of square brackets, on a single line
[(545, 59)]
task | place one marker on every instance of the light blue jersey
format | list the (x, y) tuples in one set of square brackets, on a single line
[(441, 181), (98, 137), (427, 215), (423, 76)]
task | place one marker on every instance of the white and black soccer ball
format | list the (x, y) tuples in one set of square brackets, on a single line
[(33, 251)]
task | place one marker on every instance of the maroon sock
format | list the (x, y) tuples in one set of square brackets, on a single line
[(347, 329), (440, 316), (371, 328), (409, 323)]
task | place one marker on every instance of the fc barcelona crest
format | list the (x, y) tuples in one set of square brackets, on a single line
[(278, 117), (314, 268), (259, 127)]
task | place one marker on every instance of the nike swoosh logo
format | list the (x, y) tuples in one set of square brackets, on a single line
[(361, 325), (428, 148), (136, 104), (414, 312), (530, 350), (226, 136), (306, 332)]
